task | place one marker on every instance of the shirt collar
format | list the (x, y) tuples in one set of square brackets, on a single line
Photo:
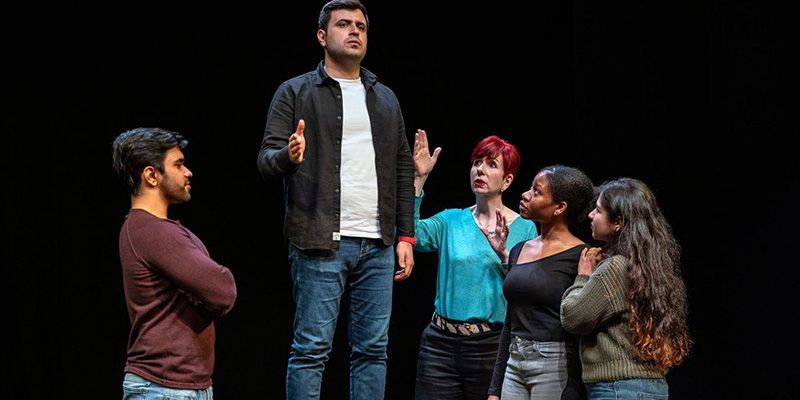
[(367, 77)]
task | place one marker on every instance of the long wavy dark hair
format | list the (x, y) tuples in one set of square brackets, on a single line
[(657, 294)]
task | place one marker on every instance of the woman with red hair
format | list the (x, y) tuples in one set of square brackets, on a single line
[(459, 346)]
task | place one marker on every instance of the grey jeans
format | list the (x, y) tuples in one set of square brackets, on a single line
[(542, 371)]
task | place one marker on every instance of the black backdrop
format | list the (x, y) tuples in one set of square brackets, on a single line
[(695, 98)]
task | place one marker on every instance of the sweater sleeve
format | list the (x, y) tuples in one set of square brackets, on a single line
[(593, 300), (429, 231), (500, 364), (175, 252)]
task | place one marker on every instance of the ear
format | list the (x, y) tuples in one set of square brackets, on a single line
[(507, 181), (321, 35), (617, 224), (561, 208), (150, 177)]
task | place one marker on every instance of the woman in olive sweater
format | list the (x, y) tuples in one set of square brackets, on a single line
[(630, 308)]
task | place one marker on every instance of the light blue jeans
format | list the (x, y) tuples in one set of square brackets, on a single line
[(629, 389), (134, 387), (319, 278), (542, 371)]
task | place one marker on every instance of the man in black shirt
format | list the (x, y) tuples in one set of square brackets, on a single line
[(337, 138)]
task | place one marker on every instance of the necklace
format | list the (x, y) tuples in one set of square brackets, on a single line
[(477, 222)]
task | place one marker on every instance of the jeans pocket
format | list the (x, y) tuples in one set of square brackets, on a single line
[(550, 352), (424, 342), (133, 386), (177, 394), (651, 389), (653, 396)]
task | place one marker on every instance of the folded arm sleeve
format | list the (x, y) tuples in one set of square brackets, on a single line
[(174, 252)]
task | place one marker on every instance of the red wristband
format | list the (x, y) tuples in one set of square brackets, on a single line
[(409, 239)]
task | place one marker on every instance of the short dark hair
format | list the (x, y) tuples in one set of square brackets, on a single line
[(572, 186), (329, 7), (139, 148)]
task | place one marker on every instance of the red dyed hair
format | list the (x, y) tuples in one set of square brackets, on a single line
[(492, 146)]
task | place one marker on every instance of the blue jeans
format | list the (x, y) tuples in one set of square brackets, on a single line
[(629, 389), (453, 367), (319, 278), (542, 371), (134, 387)]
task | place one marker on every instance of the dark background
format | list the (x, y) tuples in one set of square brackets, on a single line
[(697, 99)]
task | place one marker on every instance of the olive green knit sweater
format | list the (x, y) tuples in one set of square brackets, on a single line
[(596, 308)]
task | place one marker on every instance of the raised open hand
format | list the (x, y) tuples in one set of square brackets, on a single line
[(423, 159)]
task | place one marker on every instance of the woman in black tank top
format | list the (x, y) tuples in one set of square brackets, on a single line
[(537, 359)]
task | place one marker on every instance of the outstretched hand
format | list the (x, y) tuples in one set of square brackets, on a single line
[(497, 239), (423, 159), (297, 143)]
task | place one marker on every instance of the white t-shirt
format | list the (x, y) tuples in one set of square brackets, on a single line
[(359, 190)]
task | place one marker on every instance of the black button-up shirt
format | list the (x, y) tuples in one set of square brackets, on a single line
[(311, 189)]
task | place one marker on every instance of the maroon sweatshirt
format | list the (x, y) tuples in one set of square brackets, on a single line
[(173, 290)]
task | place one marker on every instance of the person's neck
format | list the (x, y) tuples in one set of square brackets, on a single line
[(339, 70), (151, 203), (486, 208), (558, 232)]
